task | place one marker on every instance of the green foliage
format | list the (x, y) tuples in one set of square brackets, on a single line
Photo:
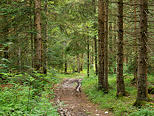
[(129, 68), (27, 95), (119, 106), (145, 112), (14, 102)]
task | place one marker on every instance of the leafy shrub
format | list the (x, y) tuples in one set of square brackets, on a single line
[(19, 100), (27, 95)]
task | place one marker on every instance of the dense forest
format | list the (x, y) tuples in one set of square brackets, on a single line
[(108, 44)]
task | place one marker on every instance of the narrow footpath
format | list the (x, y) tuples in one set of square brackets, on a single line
[(73, 102)]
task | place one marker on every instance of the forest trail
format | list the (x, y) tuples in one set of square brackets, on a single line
[(74, 103)]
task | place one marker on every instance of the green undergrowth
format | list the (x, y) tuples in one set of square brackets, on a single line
[(122, 106), (27, 95)]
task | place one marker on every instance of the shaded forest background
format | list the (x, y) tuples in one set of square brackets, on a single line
[(72, 25)]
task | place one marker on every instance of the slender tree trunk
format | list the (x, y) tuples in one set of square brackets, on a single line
[(31, 35), (142, 91), (78, 59), (95, 40), (106, 49), (88, 57), (120, 54), (6, 35), (135, 28), (46, 41), (101, 19), (73, 64), (115, 41), (81, 68), (110, 48), (65, 64), (37, 38), (92, 55), (96, 66)]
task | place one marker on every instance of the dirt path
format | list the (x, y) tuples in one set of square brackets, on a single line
[(75, 102)]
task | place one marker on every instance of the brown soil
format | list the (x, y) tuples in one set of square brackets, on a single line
[(73, 103)]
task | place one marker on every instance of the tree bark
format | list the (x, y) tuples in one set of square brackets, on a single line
[(142, 91), (115, 47), (96, 66), (31, 35), (95, 40), (37, 38), (101, 18), (78, 59), (46, 41), (81, 67), (135, 49), (120, 54), (106, 49), (65, 63), (110, 48), (92, 55), (88, 57)]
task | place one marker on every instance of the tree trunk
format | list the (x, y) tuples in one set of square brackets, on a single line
[(142, 91), (37, 38), (6, 38), (88, 57), (115, 49), (81, 68), (120, 54), (46, 41), (65, 64), (105, 83), (31, 36), (95, 39), (78, 59), (135, 49), (73, 64), (110, 48), (101, 18), (92, 55), (96, 66)]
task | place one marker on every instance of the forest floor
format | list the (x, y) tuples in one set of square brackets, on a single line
[(73, 103)]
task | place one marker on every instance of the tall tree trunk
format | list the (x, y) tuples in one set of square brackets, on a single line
[(73, 64), (65, 63), (96, 66), (88, 57), (81, 67), (6, 36), (142, 91), (120, 54), (92, 55), (110, 48), (78, 59), (31, 35), (46, 41), (106, 49), (37, 38), (101, 19), (135, 49), (95, 39), (115, 49)]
